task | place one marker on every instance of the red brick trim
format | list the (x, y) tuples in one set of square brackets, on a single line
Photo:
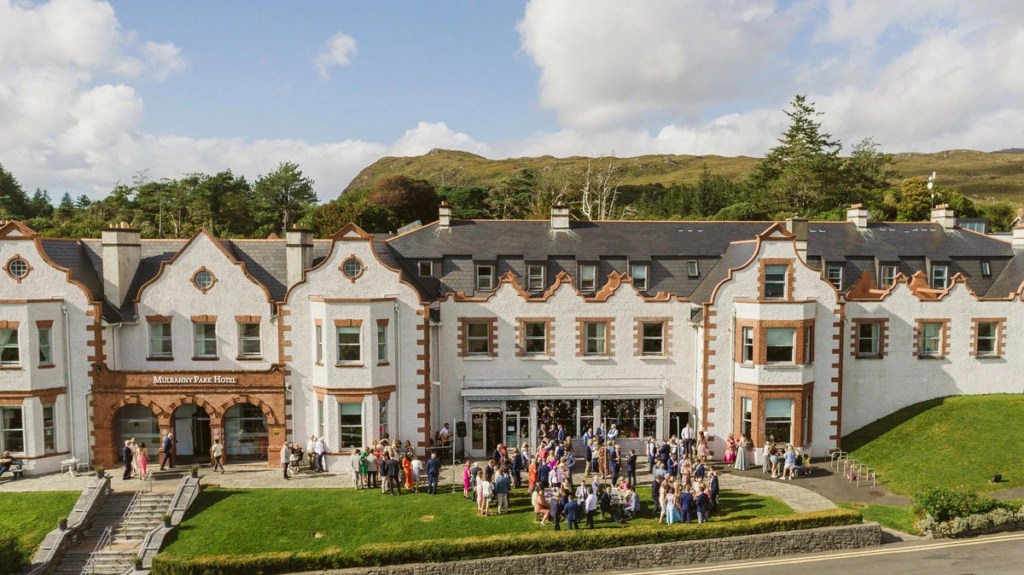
[(158, 318), (463, 335), (709, 326), (212, 276), (549, 335), (609, 339), (348, 323), (883, 337), (362, 268), (247, 318), (1000, 335), (944, 335), (7, 268), (761, 338), (790, 277), (802, 396), (204, 319), (382, 322), (638, 335), (9, 324)]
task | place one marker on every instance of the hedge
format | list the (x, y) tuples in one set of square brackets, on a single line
[(439, 550), (947, 503), (11, 555)]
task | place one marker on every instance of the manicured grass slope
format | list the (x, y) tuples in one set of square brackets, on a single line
[(241, 521), (32, 515), (953, 441)]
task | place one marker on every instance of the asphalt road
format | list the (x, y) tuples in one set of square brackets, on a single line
[(994, 554)]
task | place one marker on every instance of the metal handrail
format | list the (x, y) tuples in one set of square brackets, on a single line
[(136, 499), (104, 542)]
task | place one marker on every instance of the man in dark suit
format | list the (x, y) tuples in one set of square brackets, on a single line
[(393, 470), (572, 513), (516, 468), (561, 433), (126, 455), (167, 448), (556, 510), (543, 474), (631, 468), (433, 473), (613, 463)]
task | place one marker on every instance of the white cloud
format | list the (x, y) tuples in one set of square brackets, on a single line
[(429, 135), (606, 64), (336, 51)]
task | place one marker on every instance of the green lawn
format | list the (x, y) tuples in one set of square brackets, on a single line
[(898, 518), (952, 441), (240, 521), (33, 515)]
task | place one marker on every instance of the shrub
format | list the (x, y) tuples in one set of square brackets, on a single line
[(437, 550), (945, 503), (11, 555)]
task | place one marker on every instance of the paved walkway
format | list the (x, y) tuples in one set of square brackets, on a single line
[(799, 498)]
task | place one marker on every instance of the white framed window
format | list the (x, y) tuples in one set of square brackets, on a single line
[(12, 430), (940, 276), (775, 281), (426, 269), (349, 348), (204, 339), (45, 346), (478, 338), (160, 339), (693, 268), (808, 344), (639, 274), (319, 344), (868, 344), (350, 425), (653, 338), (779, 344), (10, 353), (382, 343), (986, 269), (535, 277), (535, 337), (748, 344), (986, 337), (931, 339), (778, 420), (484, 278), (249, 341), (746, 415), (49, 428), (888, 276), (595, 338), (834, 275), (588, 277)]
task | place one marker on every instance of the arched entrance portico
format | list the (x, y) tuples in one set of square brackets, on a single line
[(245, 433), (139, 422), (191, 425)]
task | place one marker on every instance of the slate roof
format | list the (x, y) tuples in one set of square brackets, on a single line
[(836, 240), (735, 255), (85, 264), (1009, 279)]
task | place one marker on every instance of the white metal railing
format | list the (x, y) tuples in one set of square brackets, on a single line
[(132, 505), (103, 543)]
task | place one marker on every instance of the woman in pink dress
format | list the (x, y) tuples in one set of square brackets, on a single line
[(143, 460), (466, 479), (730, 450)]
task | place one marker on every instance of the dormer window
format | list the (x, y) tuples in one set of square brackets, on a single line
[(986, 269), (639, 274), (535, 277), (693, 268), (484, 278), (888, 276), (834, 275), (940, 276), (588, 277)]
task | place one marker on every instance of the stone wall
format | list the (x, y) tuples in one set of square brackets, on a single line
[(650, 556)]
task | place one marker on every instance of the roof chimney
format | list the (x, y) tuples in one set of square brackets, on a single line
[(1018, 237), (559, 217), (798, 227), (444, 215), (942, 214), (857, 214), (122, 250), (298, 253)]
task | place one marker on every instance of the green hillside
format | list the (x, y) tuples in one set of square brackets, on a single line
[(949, 442), (982, 176)]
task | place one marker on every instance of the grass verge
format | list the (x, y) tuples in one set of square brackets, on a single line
[(950, 442), (899, 518), (32, 515)]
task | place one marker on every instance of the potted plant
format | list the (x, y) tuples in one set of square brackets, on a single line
[(195, 470), (63, 523), (138, 563), (167, 520), (100, 471)]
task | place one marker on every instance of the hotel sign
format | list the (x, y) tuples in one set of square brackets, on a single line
[(197, 379)]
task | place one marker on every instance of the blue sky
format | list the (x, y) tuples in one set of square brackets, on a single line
[(93, 92)]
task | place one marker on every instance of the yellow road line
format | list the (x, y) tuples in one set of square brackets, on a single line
[(886, 550)]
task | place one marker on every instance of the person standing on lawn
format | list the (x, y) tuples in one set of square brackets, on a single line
[(433, 473), (320, 449), (555, 504), (354, 462), (502, 486), (407, 471), (372, 463), (516, 467), (572, 513), (590, 506), (702, 503)]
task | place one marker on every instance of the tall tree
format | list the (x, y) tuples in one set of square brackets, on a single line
[(407, 199), (915, 200), (282, 197), (13, 200), (801, 174)]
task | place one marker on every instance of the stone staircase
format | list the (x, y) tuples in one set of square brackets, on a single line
[(126, 535)]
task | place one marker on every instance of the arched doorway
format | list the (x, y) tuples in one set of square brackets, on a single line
[(191, 426), (138, 421), (245, 433)]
